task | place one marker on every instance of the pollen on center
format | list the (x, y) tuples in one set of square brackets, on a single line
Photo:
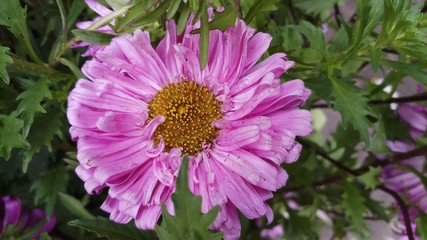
[(189, 110)]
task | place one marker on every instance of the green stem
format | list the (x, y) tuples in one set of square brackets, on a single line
[(29, 68)]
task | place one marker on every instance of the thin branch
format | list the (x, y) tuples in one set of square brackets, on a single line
[(414, 98), (403, 210)]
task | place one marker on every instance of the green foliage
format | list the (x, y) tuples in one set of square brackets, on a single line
[(114, 231), (93, 37), (189, 222), (352, 104), (13, 16), (45, 128), (48, 185), (10, 136), (74, 206), (4, 60), (371, 178), (31, 100), (353, 205)]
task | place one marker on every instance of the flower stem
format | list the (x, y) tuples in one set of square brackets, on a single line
[(414, 98)]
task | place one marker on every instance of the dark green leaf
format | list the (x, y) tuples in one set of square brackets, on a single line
[(4, 60), (352, 105), (10, 135), (354, 205), (45, 128), (93, 37), (114, 231), (409, 69), (74, 206), (13, 16), (31, 100), (189, 222), (48, 185)]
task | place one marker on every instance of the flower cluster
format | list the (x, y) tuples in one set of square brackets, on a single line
[(143, 108)]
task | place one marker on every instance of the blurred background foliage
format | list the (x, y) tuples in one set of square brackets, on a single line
[(347, 60)]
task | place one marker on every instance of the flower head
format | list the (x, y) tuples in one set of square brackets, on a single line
[(143, 108), (12, 213), (403, 181)]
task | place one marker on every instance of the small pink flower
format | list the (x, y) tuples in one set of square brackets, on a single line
[(143, 108)]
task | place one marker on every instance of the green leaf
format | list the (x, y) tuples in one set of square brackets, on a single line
[(93, 37), (377, 209), (74, 206), (10, 135), (258, 7), (31, 100), (353, 106), (354, 205), (48, 185), (189, 222), (106, 228), (45, 236), (13, 16), (421, 222), (314, 35), (149, 17), (173, 8), (409, 69), (45, 128), (4, 60), (183, 19), (371, 178), (224, 19), (204, 37), (316, 6)]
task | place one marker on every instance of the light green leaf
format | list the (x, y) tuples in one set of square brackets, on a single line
[(4, 60), (371, 178), (114, 231), (10, 135), (173, 8), (74, 206), (352, 105), (48, 185), (93, 37), (189, 222), (354, 205), (31, 100)]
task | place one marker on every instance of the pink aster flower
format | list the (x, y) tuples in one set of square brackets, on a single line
[(143, 108), (402, 181), (12, 213)]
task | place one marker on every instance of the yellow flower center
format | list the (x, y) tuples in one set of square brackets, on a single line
[(189, 110)]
